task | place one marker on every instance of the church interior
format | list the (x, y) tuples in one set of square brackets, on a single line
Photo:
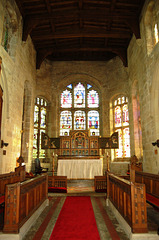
[(79, 110)]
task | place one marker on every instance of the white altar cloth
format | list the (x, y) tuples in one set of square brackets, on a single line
[(80, 169)]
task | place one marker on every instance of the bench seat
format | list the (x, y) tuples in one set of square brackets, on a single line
[(152, 200), (57, 190), (2, 199)]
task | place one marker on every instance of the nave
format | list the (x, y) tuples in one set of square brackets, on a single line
[(108, 226)]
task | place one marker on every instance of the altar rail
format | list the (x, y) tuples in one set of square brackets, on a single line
[(130, 200), (21, 201), (100, 184), (57, 181)]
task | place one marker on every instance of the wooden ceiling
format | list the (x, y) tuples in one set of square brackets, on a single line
[(67, 30)]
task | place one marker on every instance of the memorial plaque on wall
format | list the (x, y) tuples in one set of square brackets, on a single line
[(54, 142), (105, 143), (109, 143), (45, 141), (114, 140)]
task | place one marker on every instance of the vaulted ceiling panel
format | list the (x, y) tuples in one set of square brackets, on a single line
[(80, 29)]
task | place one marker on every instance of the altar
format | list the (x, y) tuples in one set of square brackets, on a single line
[(80, 168), (79, 156)]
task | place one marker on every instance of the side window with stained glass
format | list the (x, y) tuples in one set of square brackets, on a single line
[(121, 125), (40, 125)]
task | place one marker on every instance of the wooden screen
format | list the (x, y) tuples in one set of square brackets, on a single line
[(79, 143), (1, 100)]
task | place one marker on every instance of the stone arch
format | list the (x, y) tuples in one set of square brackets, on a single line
[(138, 149), (26, 150), (10, 28), (4, 84), (155, 98), (77, 77)]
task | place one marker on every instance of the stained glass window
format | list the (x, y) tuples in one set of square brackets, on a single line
[(121, 125), (92, 99), (43, 117), (119, 151), (65, 122), (80, 97), (88, 86), (125, 115), (118, 116), (156, 33), (126, 142), (93, 122), (79, 120), (40, 125), (70, 86), (66, 99)]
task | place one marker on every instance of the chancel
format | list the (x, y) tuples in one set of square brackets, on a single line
[(79, 133)]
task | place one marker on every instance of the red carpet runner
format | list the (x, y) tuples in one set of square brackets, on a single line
[(76, 221)]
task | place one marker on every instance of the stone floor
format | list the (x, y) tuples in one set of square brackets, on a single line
[(43, 227)]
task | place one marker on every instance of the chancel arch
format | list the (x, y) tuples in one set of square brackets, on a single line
[(26, 123), (154, 105), (138, 149)]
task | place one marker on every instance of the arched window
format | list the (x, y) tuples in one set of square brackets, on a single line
[(79, 109), (10, 29), (121, 125), (151, 26), (40, 125)]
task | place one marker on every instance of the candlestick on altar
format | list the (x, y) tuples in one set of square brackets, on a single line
[(53, 163), (108, 162)]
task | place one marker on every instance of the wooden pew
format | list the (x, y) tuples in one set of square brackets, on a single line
[(22, 200), (129, 199), (8, 178), (100, 184), (151, 182), (57, 184)]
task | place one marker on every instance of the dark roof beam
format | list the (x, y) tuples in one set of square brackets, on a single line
[(43, 53), (49, 11), (134, 26), (83, 34)]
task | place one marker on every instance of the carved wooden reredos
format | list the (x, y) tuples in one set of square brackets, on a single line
[(79, 143)]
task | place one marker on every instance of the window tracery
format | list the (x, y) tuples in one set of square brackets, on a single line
[(78, 99), (40, 125), (121, 125)]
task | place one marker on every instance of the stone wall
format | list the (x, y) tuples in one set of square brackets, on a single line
[(18, 66)]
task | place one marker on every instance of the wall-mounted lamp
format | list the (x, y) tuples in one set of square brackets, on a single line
[(156, 143), (3, 144)]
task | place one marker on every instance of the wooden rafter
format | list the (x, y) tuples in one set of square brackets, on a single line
[(79, 29)]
